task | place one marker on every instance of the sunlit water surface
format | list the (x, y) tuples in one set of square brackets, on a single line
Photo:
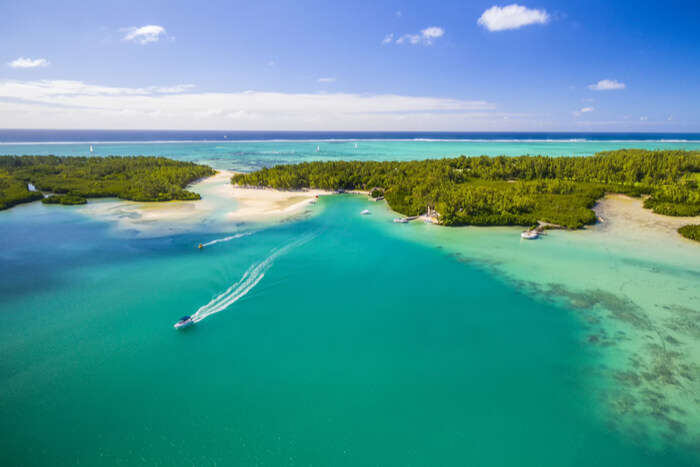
[(340, 339)]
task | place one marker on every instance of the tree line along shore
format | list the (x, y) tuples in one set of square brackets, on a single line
[(506, 190), (464, 190), (72, 180)]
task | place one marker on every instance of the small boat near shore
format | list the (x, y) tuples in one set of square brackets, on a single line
[(365, 212), (184, 322), (530, 235), (401, 220)]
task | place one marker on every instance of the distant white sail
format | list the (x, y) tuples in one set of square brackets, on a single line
[(91, 149)]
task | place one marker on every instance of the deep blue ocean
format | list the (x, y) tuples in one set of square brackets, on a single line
[(15, 136)]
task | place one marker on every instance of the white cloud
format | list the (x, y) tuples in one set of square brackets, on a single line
[(512, 16), (178, 88), (425, 37), (326, 80), (408, 38), (433, 32), (75, 104), (23, 62), (644, 118), (607, 85), (145, 34), (584, 110)]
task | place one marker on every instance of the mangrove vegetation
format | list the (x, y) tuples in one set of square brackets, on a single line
[(72, 180)]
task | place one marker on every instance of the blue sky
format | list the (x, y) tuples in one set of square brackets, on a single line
[(451, 65)]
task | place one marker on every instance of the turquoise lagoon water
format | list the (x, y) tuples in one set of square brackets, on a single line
[(340, 339), (251, 155)]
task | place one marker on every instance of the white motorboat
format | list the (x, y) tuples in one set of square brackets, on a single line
[(530, 235), (184, 322), (401, 220), (365, 212)]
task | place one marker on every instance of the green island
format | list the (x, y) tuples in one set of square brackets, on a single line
[(506, 190), (691, 231), (74, 179)]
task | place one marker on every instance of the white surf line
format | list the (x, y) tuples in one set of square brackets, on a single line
[(250, 279), (228, 239)]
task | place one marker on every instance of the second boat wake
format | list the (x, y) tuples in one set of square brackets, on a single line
[(227, 239)]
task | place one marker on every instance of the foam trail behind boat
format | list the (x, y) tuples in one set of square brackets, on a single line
[(250, 279), (228, 239)]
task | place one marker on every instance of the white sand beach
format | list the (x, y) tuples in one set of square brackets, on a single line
[(222, 207), (624, 216)]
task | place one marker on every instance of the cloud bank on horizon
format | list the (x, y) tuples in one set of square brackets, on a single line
[(75, 104), (448, 66)]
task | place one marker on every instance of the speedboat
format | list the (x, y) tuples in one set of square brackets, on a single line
[(400, 220), (184, 322), (365, 212), (530, 235)]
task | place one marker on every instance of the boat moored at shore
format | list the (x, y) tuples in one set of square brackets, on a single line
[(530, 235)]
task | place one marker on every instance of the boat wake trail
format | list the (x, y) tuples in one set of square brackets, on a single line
[(228, 239), (245, 284)]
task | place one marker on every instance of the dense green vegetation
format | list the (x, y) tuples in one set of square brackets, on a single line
[(13, 191), (691, 231), (74, 179), (507, 190), (376, 192), (67, 200)]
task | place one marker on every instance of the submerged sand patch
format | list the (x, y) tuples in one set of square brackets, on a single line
[(222, 208)]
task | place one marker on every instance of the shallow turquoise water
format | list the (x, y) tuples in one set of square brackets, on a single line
[(354, 348), (346, 339)]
